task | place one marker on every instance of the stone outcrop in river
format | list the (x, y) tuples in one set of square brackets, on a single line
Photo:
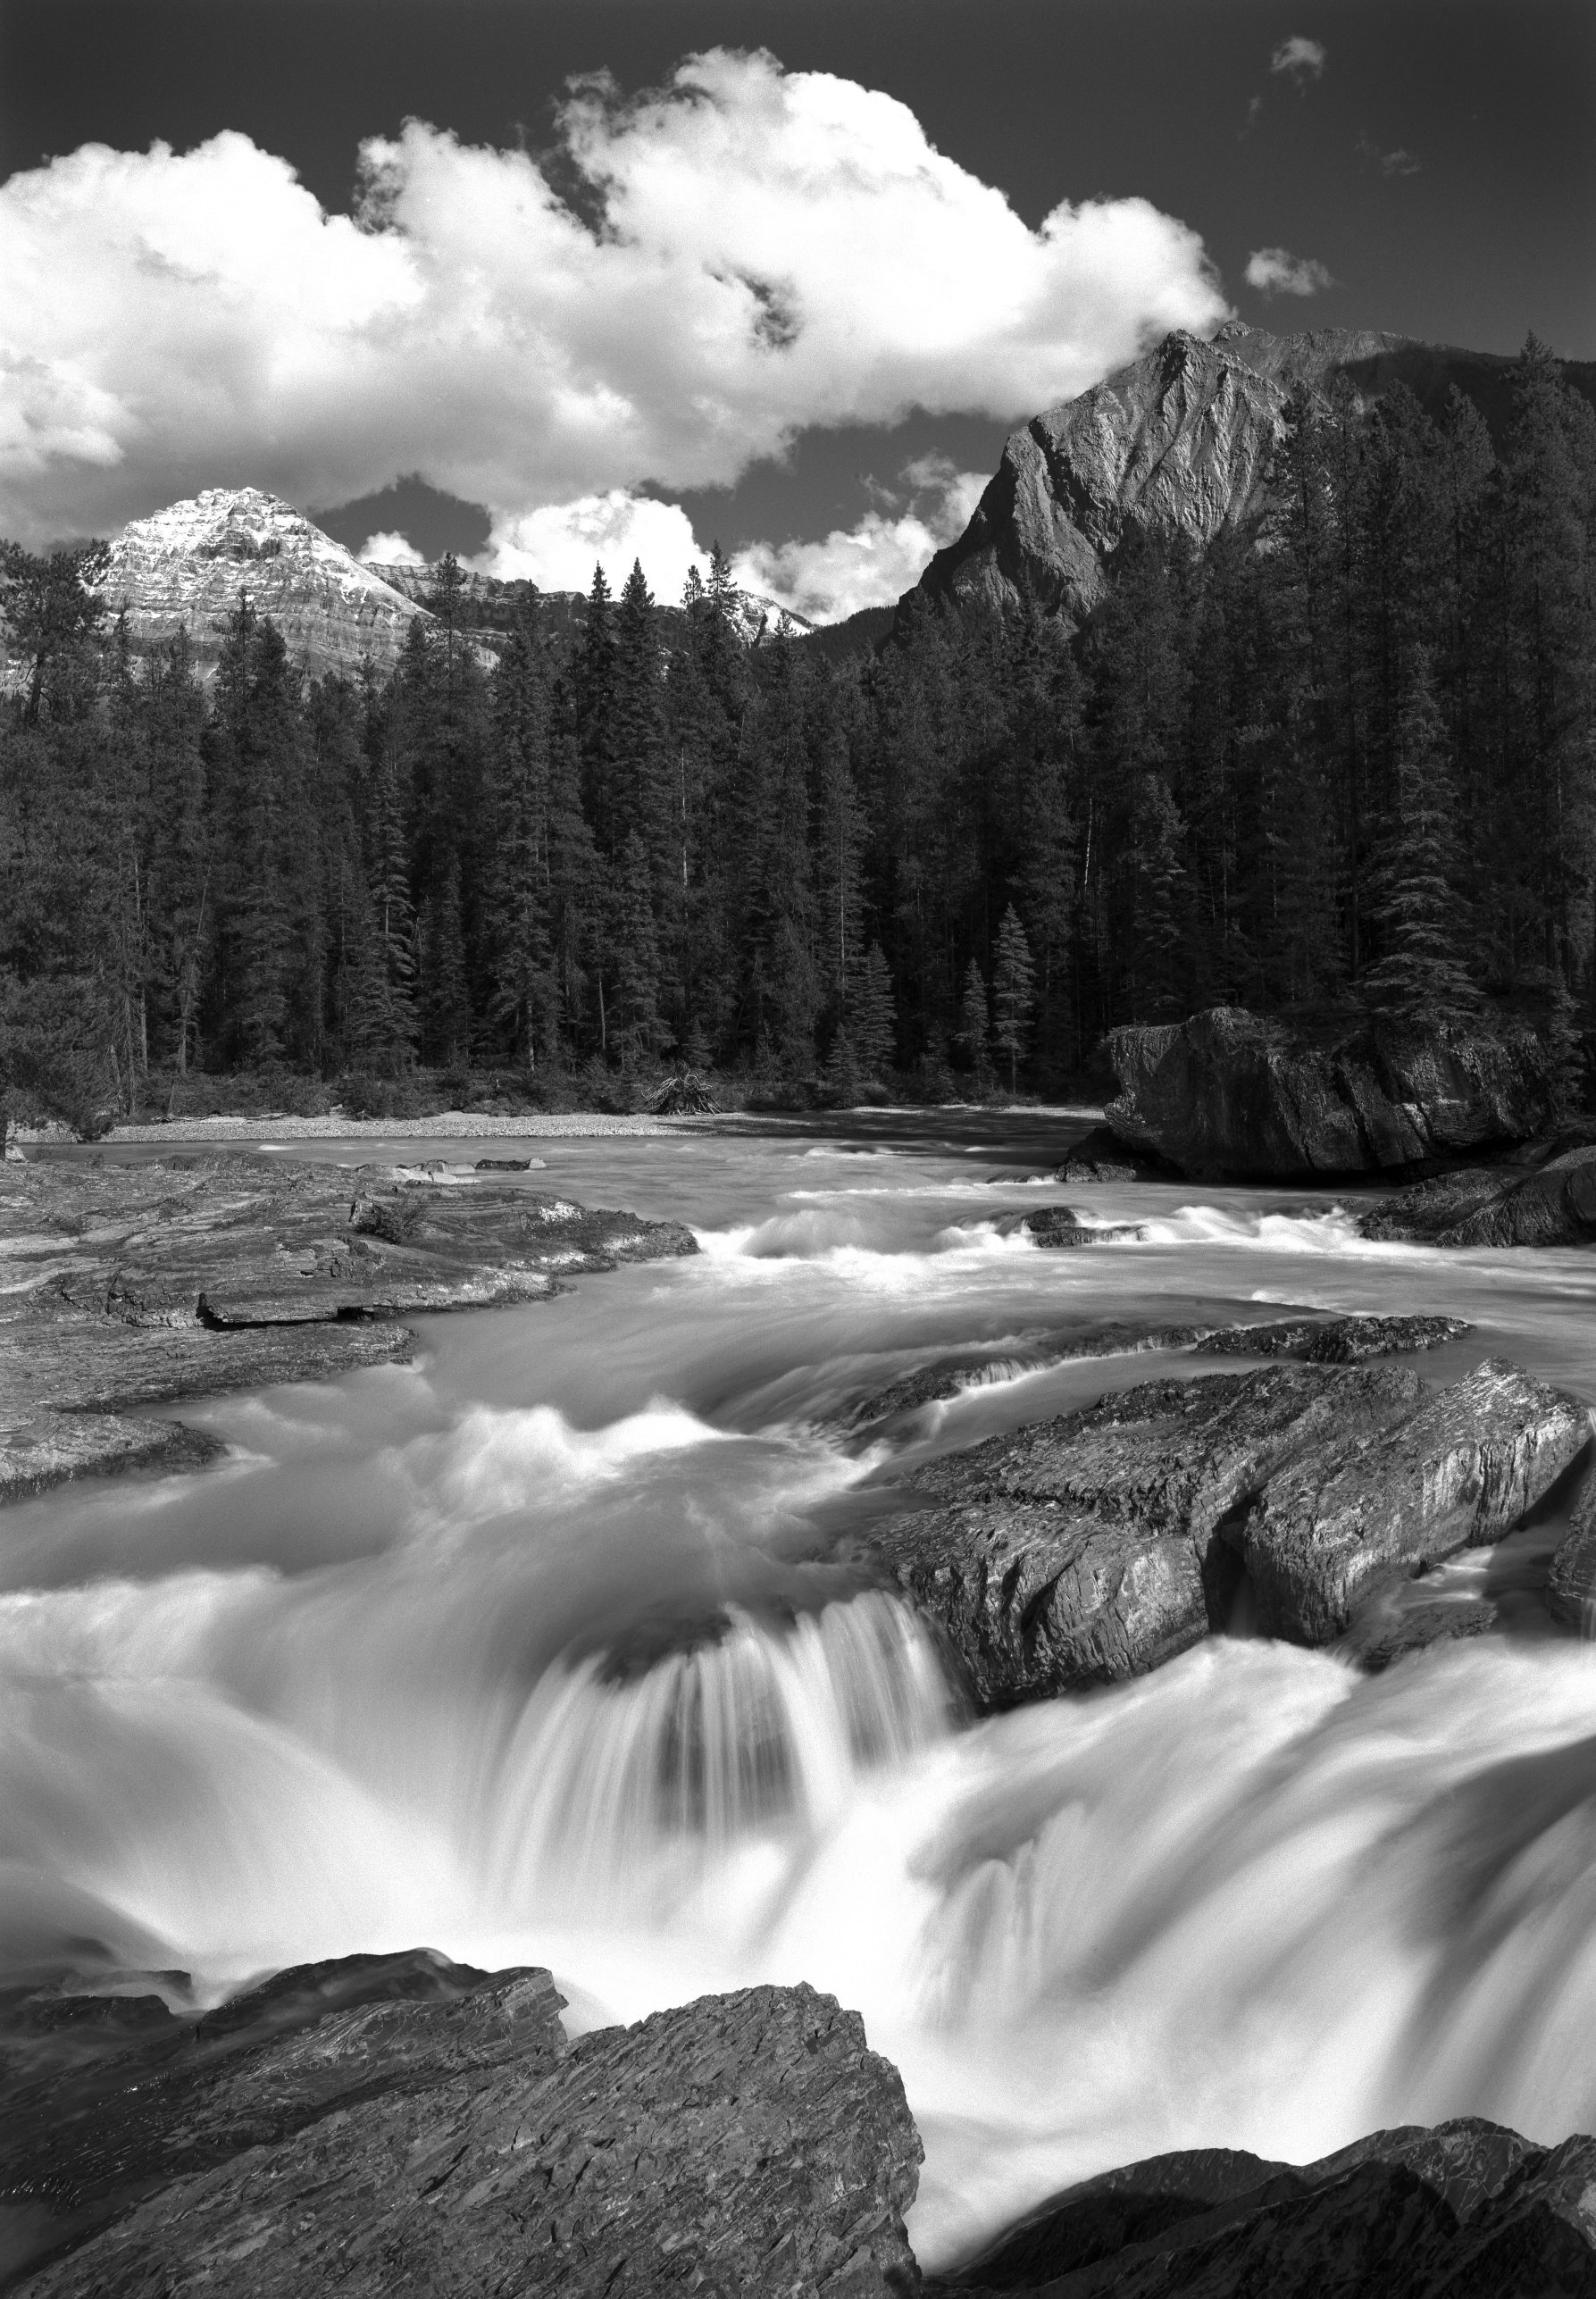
[(405, 2125), (131, 1286), (1466, 2210), (1548, 1203), (1095, 1546), (1228, 1093)]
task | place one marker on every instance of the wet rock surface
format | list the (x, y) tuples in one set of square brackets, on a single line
[(129, 1286), (1467, 2209), (1552, 1204), (1228, 1093), (1314, 1337), (407, 2125), (1571, 1582), (1100, 1156), (1095, 1546)]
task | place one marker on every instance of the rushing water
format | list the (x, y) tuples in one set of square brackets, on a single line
[(422, 1660)]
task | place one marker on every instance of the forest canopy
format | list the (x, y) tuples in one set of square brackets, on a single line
[(1341, 764)]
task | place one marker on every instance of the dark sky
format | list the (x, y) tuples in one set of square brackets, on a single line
[(1485, 230)]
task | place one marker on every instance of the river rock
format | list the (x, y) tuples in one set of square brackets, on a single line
[(403, 2124), (1466, 2210), (1100, 1156), (1228, 1093), (1571, 1581), (1334, 1341), (128, 1285), (1461, 1471), (1554, 1204), (1097, 1545)]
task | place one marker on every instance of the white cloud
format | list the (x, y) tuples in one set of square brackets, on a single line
[(390, 549), (765, 250), (1304, 59), (558, 545), (1399, 163), (874, 563), (1277, 272)]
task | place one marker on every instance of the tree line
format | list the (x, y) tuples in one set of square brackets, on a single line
[(1342, 762)]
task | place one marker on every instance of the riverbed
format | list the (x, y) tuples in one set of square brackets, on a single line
[(529, 1651)]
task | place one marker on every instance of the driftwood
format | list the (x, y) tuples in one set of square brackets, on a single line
[(685, 1095)]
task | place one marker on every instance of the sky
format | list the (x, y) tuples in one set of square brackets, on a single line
[(548, 281)]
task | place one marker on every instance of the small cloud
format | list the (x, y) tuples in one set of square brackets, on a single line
[(558, 545), (1253, 109), (1277, 272), (1303, 59), (389, 550), (1399, 162), (875, 562)]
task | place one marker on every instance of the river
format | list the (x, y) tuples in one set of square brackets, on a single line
[(419, 1661)]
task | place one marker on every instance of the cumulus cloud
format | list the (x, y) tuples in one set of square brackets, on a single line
[(875, 562), (1277, 272), (1303, 59), (390, 549), (691, 279), (557, 545)]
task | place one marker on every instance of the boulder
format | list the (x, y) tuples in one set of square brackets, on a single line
[(1095, 1546), (405, 2124), (1466, 2210), (1552, 1204), (1229, 1093), (1461, 1471)]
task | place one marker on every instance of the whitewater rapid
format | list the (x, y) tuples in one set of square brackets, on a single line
[(529, 1652)]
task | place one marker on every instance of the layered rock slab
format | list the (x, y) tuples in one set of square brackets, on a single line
[(1466, 2210), (403, 2124), (1094, 1547), (1552, 1204), (128, 1286)]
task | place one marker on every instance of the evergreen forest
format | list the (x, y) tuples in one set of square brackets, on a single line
[(1341, 764)]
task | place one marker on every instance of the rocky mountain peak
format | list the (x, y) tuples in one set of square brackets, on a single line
[(187, 564), (1181, 441)]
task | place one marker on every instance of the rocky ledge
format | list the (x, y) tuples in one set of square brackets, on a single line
[(1095, 1546), (1544, 1195), (130, 1286), (1229, 1094), (403, 2124), (1467, 2210)]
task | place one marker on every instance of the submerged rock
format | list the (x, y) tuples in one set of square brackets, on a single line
[(138, 1284), (1230, 1094), (1334, 1341), (1095, 1546), (1554, 1204), (405, 2124), (1467, 2209)]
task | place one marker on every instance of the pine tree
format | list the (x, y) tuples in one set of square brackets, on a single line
[(633, 1024), (1014, 992), (446, 1002), (523, 996), (1420, 978)]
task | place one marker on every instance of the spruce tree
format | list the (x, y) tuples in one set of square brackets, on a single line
[(872, 1017), (1014, 992)]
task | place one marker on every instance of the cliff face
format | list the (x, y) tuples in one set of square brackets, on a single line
[(1180, 442), (187, 566)]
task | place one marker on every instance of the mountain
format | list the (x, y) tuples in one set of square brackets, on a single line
[(189, 564), (1180, 442)]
